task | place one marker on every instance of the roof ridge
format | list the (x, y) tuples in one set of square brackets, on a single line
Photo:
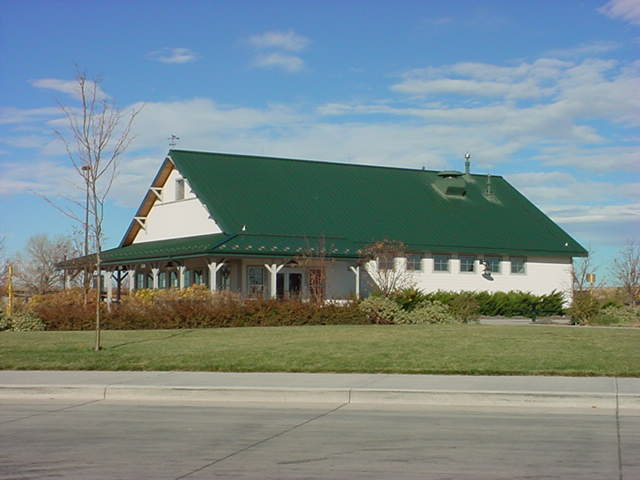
[(322, 162)]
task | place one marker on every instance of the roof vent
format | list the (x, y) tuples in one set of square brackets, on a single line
[(451, 183)]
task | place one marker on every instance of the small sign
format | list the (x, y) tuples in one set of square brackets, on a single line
[(591, 278)]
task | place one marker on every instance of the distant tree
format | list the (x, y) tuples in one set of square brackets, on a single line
[(386, 276), (36, 268), (626, 270)]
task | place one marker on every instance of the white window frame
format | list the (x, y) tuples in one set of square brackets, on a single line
[(435, 262), (252, 288), (180, 189), (493, 257), (524, 265), (412, 264), (473, 263)]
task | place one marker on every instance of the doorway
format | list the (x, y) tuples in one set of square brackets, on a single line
[(288, 285)]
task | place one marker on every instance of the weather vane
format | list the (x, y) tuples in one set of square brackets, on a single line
[(173, 140)]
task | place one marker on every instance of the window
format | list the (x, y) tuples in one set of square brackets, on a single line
[(517, 265), (467, 263), (414, 262), (493, 264), (187, 278), (173, 279), (441, 263), (386, 262), (162, 280), (255, 281), (180, 189), (198, 277), (140, 280)]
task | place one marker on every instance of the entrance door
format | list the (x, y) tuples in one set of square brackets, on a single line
[(295, 285), (288, 285)]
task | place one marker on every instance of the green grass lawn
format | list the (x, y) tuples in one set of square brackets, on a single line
[(460, 349)]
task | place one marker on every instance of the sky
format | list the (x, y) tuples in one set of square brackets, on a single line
[(544, 93)]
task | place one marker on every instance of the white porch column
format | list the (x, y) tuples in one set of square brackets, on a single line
[(132, 280), (356, 272), (213, 278), (155, 271), (181, 271), (273, 269), (67, 279)]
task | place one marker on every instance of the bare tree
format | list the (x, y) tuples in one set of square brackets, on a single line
[(314, 261), (626, 270), (98, 134), (581, 268), (386, 275), (36, 268)]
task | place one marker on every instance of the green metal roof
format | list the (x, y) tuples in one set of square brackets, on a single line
[(298, 199), (220, 244)]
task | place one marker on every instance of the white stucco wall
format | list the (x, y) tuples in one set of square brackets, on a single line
[(542, 276), (171, 218)]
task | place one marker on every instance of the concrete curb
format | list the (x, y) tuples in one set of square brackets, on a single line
[(321, 395)]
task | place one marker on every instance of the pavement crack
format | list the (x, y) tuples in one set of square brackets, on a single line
[(39, 414), (620, 474), (260, 442)]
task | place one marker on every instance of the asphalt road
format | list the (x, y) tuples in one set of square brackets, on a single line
[(117, 440)]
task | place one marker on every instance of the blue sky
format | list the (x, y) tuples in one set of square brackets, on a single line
[(544, 93)]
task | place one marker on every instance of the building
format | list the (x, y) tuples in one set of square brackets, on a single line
[(283, 228)]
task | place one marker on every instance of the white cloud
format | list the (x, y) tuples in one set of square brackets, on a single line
[(585, 49), (9, 115), (628, 10), (288, 63), (173, 55), (70, 87), (290, 41)]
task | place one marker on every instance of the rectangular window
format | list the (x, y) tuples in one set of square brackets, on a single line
[(517, 265), (255, 281), (386, 262), (414, 262), (467, 263), (180, 189), (173, 279), (493, 264), (198, 277), (162, 280), (187, 278), (140, 280), (441, 263)]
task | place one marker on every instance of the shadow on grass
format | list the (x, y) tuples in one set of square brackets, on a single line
[(180, 333)]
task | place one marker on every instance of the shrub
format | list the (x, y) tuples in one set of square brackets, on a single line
[(65, 310), (382, 310), (617, 315), (408, 298), (5, 322), (465, 307), (584, 307), (23, 322), (193, 307), (429, 312)]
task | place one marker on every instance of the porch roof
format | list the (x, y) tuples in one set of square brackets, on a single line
[(220, 244)]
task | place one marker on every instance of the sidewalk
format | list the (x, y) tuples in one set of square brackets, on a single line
[(450, 390)]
